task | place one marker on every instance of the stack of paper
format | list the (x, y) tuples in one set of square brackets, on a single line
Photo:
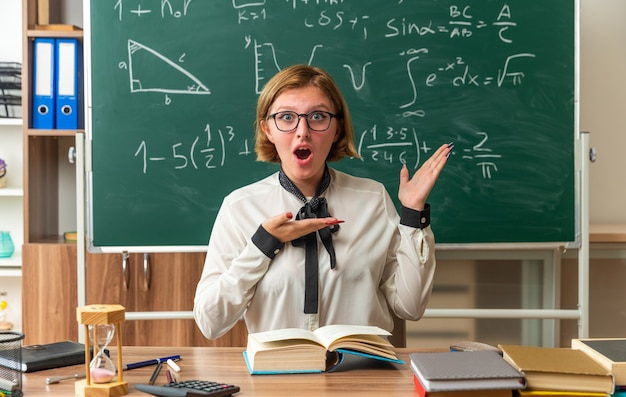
[(464, 374)]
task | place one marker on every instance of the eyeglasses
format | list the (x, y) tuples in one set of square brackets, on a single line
[(317, 120)]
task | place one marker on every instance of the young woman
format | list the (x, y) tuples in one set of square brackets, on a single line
[(309, 245)]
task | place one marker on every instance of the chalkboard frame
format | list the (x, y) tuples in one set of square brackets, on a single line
[(92, 227)]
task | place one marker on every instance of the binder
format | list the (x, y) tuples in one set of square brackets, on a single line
[(43, 111), (67, 84)]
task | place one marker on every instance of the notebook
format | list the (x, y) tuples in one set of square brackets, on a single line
[(46, 356), (456, 371)]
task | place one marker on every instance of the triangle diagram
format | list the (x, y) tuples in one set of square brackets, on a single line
[(149, 71)]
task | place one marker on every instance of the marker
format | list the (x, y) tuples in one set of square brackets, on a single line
[(170, 376)]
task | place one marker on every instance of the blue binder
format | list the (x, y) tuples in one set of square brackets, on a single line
[(43, 83), (68, 109)]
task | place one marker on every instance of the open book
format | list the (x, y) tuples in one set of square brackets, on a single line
[(295, 350)]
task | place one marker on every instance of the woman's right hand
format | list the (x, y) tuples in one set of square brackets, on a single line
[(285, 229)]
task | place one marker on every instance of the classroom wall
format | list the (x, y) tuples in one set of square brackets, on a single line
[(603, 104)]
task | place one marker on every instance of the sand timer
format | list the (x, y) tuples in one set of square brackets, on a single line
[(101, 368), (102, 323)]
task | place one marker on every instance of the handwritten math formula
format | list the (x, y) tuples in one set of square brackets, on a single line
[(416, 67), (391, 146)]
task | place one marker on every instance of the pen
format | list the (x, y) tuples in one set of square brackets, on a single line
[(141, 364), (56, 379)]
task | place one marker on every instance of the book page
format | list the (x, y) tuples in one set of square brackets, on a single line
[(330, 333), (285, 335)]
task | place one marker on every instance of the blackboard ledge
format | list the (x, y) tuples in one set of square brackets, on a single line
[(508, 246), (143, 249), (439, 247)]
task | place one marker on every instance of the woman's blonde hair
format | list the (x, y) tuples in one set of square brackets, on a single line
[(298, 76)]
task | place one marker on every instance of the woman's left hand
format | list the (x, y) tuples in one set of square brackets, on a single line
[(414, 192)]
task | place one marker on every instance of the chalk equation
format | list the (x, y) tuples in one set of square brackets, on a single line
[(376, 145), (456, 73), (163, 8), (404, 146), (424, 54), (201, 153), (462, 24)]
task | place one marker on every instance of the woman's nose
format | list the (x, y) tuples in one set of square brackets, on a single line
[(302, 129)]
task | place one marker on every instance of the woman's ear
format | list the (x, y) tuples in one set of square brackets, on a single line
[(338, 132), (266, 130)]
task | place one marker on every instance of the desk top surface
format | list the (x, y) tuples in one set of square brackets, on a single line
[(607, 233), (226, 364)]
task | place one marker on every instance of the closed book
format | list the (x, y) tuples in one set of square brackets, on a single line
[(472, 370), (559, 369), (460, 393), (46, 356), (608, 352), (553, 393)]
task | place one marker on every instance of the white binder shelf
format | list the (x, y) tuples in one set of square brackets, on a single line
[(11, 192), (11, 267)]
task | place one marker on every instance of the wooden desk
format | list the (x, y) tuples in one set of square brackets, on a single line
[(226, 364)]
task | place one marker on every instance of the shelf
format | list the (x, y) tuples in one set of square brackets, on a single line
[(55, 31), (10, 272), (37, 132), (11, 192), (52, 240), (15, 261), (10, 121)]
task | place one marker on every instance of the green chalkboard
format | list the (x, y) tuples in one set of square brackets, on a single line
[(173, 85)]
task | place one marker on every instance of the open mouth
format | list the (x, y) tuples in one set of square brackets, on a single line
[(302, 153)]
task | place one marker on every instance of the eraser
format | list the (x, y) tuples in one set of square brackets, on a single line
[(173, 365)]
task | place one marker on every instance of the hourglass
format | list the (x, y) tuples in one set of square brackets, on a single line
[(101, 323), (101, 367)]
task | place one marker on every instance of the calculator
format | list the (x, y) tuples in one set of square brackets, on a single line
[(189, 388)]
